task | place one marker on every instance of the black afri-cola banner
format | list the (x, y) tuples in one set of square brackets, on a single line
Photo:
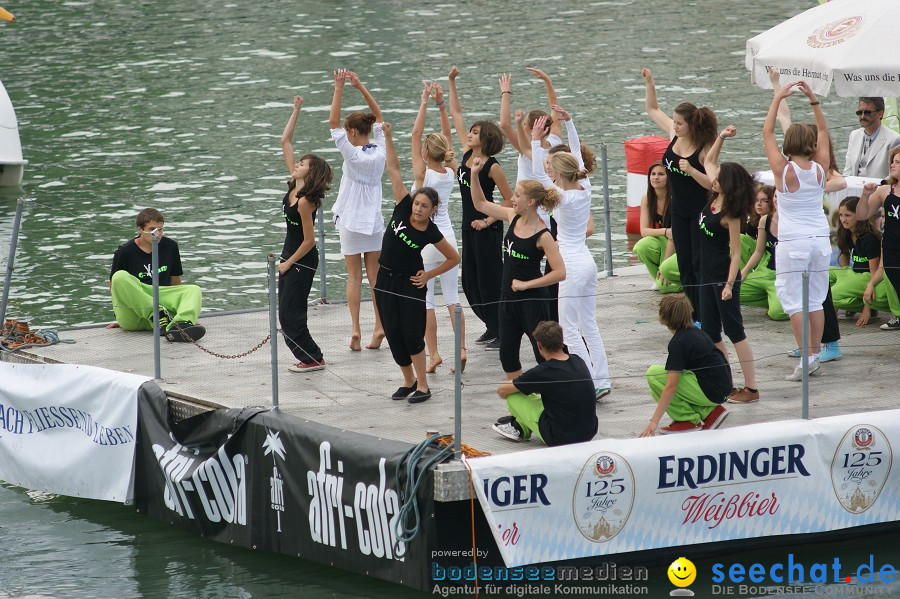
[(266, 480)]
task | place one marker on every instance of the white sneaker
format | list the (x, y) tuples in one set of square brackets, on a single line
[(797, 375), (510, 430)]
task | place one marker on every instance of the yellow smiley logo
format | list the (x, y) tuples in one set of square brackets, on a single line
[(682, 572)]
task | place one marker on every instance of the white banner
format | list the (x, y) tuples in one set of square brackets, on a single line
[(616, 495), (69, 429)]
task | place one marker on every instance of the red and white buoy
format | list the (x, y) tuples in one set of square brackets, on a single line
[(640, 153)]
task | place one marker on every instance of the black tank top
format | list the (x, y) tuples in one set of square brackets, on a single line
[(521, 258), (294, 235), (891, 240), (464, 178), (771, 241), (688, 196), (714, 248)]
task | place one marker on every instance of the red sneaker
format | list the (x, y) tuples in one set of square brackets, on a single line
[(715, 418), (307, 366), (683, 426)]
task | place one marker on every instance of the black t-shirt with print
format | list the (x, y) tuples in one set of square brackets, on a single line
[(293, 237), (567, 392), (522, 257), (692, 349), (129, 257), (866, 247), (401, 247)]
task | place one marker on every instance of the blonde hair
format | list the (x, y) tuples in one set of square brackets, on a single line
[(438, 147), (548, 199), (565, 164)]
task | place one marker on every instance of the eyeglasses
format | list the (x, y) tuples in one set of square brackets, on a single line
[(866, 112)]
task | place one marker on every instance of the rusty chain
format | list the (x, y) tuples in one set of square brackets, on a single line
[(233, 356)]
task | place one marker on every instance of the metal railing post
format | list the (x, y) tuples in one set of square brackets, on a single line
[(607, 217), (154, 267), (323, 292), (457, 382), (7, 281), (273, 329), (804, 351)]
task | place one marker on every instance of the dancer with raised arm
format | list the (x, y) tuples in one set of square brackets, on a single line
[(803, 232), (357, 210), (310, 179), (692, 131), (401, 288), (524, 301), (482, 259), (578, 291)]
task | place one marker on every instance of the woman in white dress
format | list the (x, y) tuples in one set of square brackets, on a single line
[(357, 210), (434, 166)]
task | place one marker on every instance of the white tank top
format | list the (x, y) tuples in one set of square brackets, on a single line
[(800, 213)]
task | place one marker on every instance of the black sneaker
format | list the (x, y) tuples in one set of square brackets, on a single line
[(493, 345), (403, 392), (486, 337), (185, 332), (164, 322), (505, 419), (419, 396), (892, 325)]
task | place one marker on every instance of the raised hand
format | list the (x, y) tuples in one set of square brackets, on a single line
[(774, 77), (806, 89), (646, 74), (788, 90), (540, 125), (437, 93), (298, 102), (505, 83), (538, 73), (426, 90), (869, 188), (729, 131), (386, 128), (562, 112), (476, 166), (453, 73), (520, 116), (340, 76), (354, 79)]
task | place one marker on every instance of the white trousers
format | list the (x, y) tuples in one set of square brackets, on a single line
[(577, 315), (449, 286), (794, 257)]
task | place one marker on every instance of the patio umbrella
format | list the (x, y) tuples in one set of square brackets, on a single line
[(853, 43)]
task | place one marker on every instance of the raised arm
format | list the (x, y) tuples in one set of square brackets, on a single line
[(334, 117), (823, 140), (418, 161), (777, 161), (784, 111), (456, 111), (523, 135), (551, 99), (659, 117), (480, 202), (437, 93), (505, 118), (711, 162), (392, 165), (370, 101), (537, 161), (287, 148), (870, 200), (571, 134)]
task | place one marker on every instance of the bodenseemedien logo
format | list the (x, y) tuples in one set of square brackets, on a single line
[(682, 573)]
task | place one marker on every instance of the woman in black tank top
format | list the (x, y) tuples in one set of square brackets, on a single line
[(524, 297), (310, 179), (481, 234), (692, 131)]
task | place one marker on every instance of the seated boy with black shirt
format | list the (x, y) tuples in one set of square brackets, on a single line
[(696, 379), (131, 284), (555, 399)]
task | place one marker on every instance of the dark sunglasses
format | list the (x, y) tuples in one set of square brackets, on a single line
[(866, 112)]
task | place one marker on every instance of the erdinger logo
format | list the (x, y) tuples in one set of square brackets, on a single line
[(860, 467), (835, 32), (603, 496)]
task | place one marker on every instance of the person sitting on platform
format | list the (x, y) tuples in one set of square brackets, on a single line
[(696, 379), (857, 285), (655, 246), (555, 399), (131, 284)]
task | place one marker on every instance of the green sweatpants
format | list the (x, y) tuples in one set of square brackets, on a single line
[(689, 402), (847, 288), (650, 250), (527, 410), (758, 289), (133, 302)]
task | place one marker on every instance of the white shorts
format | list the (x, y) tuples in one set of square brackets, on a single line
[(794, 257), (449, 286), (353, 243)]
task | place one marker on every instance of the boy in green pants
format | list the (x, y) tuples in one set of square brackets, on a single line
[(131, 284), (555, 399), (696, 379)]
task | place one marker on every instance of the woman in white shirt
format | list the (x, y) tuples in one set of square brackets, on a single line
[(357, 210)]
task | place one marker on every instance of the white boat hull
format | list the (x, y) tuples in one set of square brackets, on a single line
[(12, 164)]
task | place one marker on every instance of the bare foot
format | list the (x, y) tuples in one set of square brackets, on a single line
[(377, 338), (354, 342), (433, 362), (462, 362)]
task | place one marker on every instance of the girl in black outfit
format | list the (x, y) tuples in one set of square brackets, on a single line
[(692, 131), (310, 179), (482, 259), (524, 299), (401, 287)]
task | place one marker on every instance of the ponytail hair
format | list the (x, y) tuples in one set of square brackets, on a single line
[(439, 148), (360, 121), (567, 167), (702, 124), (588, 156), (548, 199)]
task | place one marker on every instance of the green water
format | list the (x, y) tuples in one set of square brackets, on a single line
[(124, 105)]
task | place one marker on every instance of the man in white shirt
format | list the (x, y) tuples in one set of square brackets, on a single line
[(868, 148)]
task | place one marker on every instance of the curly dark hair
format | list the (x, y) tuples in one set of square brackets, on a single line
[(317, 180), (737, 190)]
